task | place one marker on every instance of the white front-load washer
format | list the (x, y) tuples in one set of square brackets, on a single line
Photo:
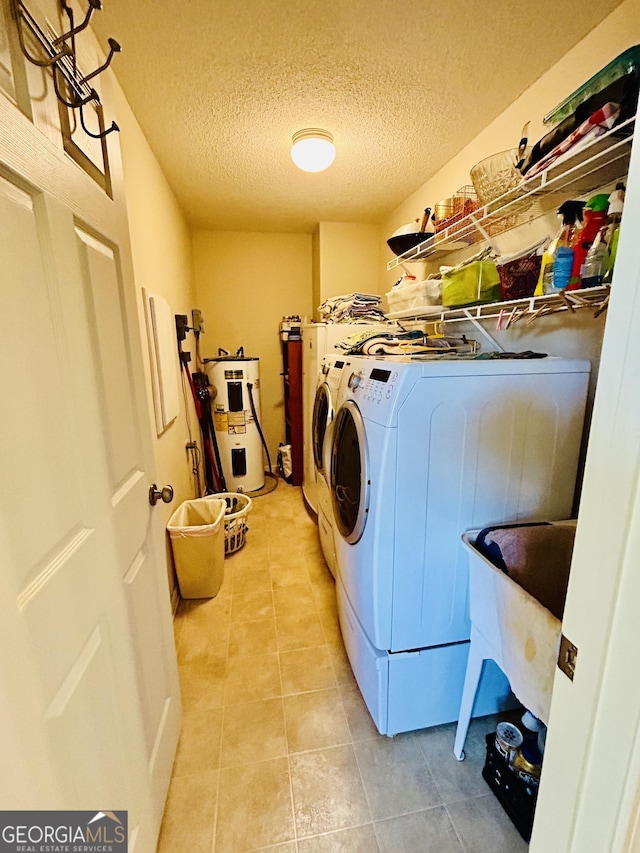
[(319, 339), (421, 452), (324, 408)]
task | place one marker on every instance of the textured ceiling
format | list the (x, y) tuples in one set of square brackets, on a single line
[(220, 86)]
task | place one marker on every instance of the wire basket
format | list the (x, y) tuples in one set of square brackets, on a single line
[(498, 182), (496, 175), (235, 520), (449, 211)]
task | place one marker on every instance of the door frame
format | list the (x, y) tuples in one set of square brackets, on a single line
[(590, 792)]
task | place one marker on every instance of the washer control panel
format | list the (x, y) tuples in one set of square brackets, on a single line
[(355, 380), (373, 386), (333, 373)]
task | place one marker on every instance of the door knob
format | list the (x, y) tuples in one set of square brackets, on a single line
[(165, 494)]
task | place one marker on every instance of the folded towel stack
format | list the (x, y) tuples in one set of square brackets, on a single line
[(407, 344), (353, 308)]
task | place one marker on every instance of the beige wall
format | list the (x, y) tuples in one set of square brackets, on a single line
[(578, 336), (345, 259), (315, 272), (161, 251), (245, 284), (617, 32)]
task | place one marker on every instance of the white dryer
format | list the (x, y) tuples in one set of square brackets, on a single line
[(422, 451), (319, 339), (324, 408)]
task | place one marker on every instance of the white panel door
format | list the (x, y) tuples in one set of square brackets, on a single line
[(90, 704)]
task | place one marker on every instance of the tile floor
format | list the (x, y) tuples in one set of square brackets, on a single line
[(278, 751)]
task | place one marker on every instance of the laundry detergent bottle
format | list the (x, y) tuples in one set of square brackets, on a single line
[(557, 261), (595, 216)]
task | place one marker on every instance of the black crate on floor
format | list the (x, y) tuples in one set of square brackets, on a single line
[(516, 797)]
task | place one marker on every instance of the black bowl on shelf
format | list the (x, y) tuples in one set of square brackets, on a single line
[(401, 243)]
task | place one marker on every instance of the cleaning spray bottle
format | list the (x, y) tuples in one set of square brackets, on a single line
[(600, 258), (595, 216), (595, 263), (616, 203), (555, 270)]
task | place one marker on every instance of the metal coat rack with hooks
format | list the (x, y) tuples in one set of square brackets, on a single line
[(58, 52)]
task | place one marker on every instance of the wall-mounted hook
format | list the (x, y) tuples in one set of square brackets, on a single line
[(114, 47), (59, 53), (73, 105), (93, 6), (101, 134), (21, 12)]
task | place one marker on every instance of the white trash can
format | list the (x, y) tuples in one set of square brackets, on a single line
[(196, 529)]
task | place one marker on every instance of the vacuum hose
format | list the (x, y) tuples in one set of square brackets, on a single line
[(255, 417)]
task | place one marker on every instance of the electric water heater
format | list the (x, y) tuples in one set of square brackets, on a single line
[(236, 380)]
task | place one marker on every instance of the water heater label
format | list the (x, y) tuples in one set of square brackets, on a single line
[(237, 423), (233, 423)]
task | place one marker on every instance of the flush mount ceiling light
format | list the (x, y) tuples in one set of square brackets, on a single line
[(312, 150)]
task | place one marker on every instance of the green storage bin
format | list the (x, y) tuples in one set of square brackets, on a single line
[(475, 282)]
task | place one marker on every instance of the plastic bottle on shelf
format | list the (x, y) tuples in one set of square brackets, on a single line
[(546, 267), (563, 261), (616, 204), (557, 261), (595, 263), (595, 216)]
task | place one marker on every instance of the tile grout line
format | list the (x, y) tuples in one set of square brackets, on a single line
[(284, 720), (336, 831), (290, 772), (342, 708), (455, 829), (224, 713), (183, 617), (353, 743), (364, 789), (321, 605)]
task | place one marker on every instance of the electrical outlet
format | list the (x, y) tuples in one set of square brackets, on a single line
[(182, 326), (197, 320)]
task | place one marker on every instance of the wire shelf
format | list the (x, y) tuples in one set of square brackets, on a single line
[(604, 161), (531, 305)]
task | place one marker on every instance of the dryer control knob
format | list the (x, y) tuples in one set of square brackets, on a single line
[(355, 380)]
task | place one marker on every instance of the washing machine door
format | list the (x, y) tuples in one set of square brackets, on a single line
[(322, 417), (350, 473)]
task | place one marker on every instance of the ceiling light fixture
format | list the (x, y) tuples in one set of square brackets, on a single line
[(312, 150)]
